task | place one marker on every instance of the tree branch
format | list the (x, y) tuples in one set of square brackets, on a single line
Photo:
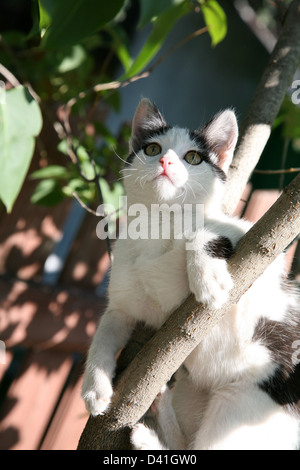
[(186, 327), (277, 172), (256, 127)]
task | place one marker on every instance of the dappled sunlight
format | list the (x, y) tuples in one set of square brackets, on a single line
[(32, 316)]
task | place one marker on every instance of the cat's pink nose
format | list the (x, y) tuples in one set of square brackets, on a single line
[(166, 161)]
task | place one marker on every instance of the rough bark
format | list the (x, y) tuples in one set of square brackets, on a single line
[(256, 127), (153, 365), (168, 348)]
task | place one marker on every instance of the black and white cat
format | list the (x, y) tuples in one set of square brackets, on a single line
[(240, 388)]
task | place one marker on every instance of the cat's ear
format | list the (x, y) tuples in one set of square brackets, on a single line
[(147, 118), (221, 135)]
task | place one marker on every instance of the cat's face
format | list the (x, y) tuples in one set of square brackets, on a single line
[(172, 164)]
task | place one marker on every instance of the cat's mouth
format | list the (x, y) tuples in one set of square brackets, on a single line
[(163, 175)]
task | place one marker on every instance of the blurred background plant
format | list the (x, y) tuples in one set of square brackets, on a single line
[(58, 59)]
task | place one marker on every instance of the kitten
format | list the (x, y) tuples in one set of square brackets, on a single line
[(240, 387)]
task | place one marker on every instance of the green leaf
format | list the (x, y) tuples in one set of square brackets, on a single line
[(162, 26), (111, 194), (47, 193), (74, 20), (111, 197), (85, 191), (124, 56), (51, 171), (120, 45), (73, 60), (215, 20), (290, 119), (77, 184), (150, 9), (45, 10), (80, 150), (20, 122)]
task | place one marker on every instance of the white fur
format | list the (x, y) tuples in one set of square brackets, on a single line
[(237, 416), (217, 404), (144, 438)]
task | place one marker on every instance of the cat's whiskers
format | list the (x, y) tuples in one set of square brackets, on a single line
[(143, 180), (191, 189), (196, 173), (128, 169), (123, 177), (127, 175), (120, 158), (201, 185), (142, 160), (183, 193)]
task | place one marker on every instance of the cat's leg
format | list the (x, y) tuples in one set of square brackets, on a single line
[(168, 434), (112, 334), (245, 418), (144, 438), (168, 426), (209, 279)]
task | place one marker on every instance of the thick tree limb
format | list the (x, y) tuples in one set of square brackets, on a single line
[(256, 127), (187, 326), (143, 378)]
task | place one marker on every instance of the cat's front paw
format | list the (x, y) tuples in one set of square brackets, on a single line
[(96, 392), (211, 283), (143, 438)]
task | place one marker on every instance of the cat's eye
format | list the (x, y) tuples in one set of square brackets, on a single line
[(152, 149), (193, 157)]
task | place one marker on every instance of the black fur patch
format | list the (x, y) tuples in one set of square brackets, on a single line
[(205, 153), (280, 338), (144, 136), (220, 247), (285, 389)]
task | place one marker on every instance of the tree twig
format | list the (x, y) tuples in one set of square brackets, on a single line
[(114, 85), (88, 209), (277, 172), (283, 160), (9, 76)]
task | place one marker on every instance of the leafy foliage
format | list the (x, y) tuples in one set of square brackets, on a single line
[(71, 21), (215, 19), (162, 25), (289, 119)]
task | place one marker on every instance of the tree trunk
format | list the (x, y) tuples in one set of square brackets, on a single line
[(256, 127)]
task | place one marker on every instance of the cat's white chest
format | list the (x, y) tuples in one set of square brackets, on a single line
[(154, 282)]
